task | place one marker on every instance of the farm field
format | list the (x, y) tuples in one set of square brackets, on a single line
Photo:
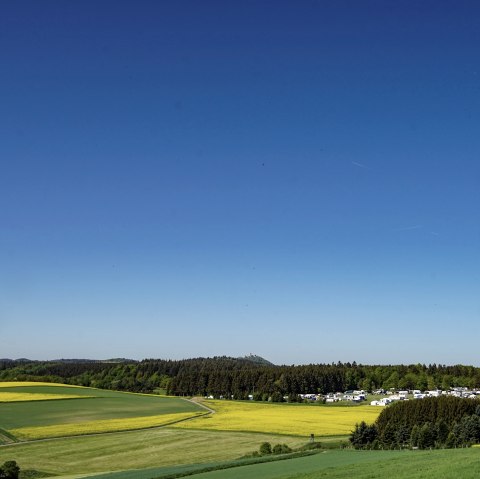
[(90, 411), (281, 467), (451, 463), (289, 419), (163, 452), (235, 429), (16, 384), (97, 411), (16, 397), (97, 427), (140, 449)]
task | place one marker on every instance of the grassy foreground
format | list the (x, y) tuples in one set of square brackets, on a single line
[(135, 450), (461, 463), (144, 463), (289, 419)]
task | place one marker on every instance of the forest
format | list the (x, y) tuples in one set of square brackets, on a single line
[(238, 378), (436, 422)]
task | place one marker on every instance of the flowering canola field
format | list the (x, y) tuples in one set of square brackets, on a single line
[(15, 397), (298, 420), (97, 427), (16, 384)]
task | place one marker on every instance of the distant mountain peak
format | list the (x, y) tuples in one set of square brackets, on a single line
[(254, 358)]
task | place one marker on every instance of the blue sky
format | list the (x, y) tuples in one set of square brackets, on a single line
[(300, 180)]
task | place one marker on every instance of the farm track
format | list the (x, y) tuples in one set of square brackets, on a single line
[(199, 402)]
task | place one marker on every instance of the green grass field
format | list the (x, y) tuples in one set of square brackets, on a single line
[(178, 454), (141, 449), (461, 463)]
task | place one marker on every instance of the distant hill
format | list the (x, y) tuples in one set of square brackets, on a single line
[(113, 360), (69, 360), (254, 358), (119, 360)]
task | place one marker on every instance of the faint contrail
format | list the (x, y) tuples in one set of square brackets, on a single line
[(360, 165), (408, 228)]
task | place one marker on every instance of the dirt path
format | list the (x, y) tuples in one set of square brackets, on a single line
[(199, 401)]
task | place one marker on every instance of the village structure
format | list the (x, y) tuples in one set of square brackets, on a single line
[(385, 397)]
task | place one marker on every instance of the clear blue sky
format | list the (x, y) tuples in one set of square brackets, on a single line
[(300, 180)]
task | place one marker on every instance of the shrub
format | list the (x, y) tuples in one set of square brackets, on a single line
[(9, 470), (265, 448), (281, 449)]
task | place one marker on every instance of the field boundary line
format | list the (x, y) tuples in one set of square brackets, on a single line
[(6, 438)]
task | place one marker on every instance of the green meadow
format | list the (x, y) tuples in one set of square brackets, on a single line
[(461, 463), (147, 448)]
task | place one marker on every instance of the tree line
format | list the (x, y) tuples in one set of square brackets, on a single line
[(436, 422), (239, 378)]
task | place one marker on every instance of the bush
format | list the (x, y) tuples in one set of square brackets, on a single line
[(281, 449), (9, 470), (265, 448)]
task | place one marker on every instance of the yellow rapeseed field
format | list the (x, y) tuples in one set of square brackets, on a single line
[(94, 427), (15, 397), (300, 420), (16, 384)]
